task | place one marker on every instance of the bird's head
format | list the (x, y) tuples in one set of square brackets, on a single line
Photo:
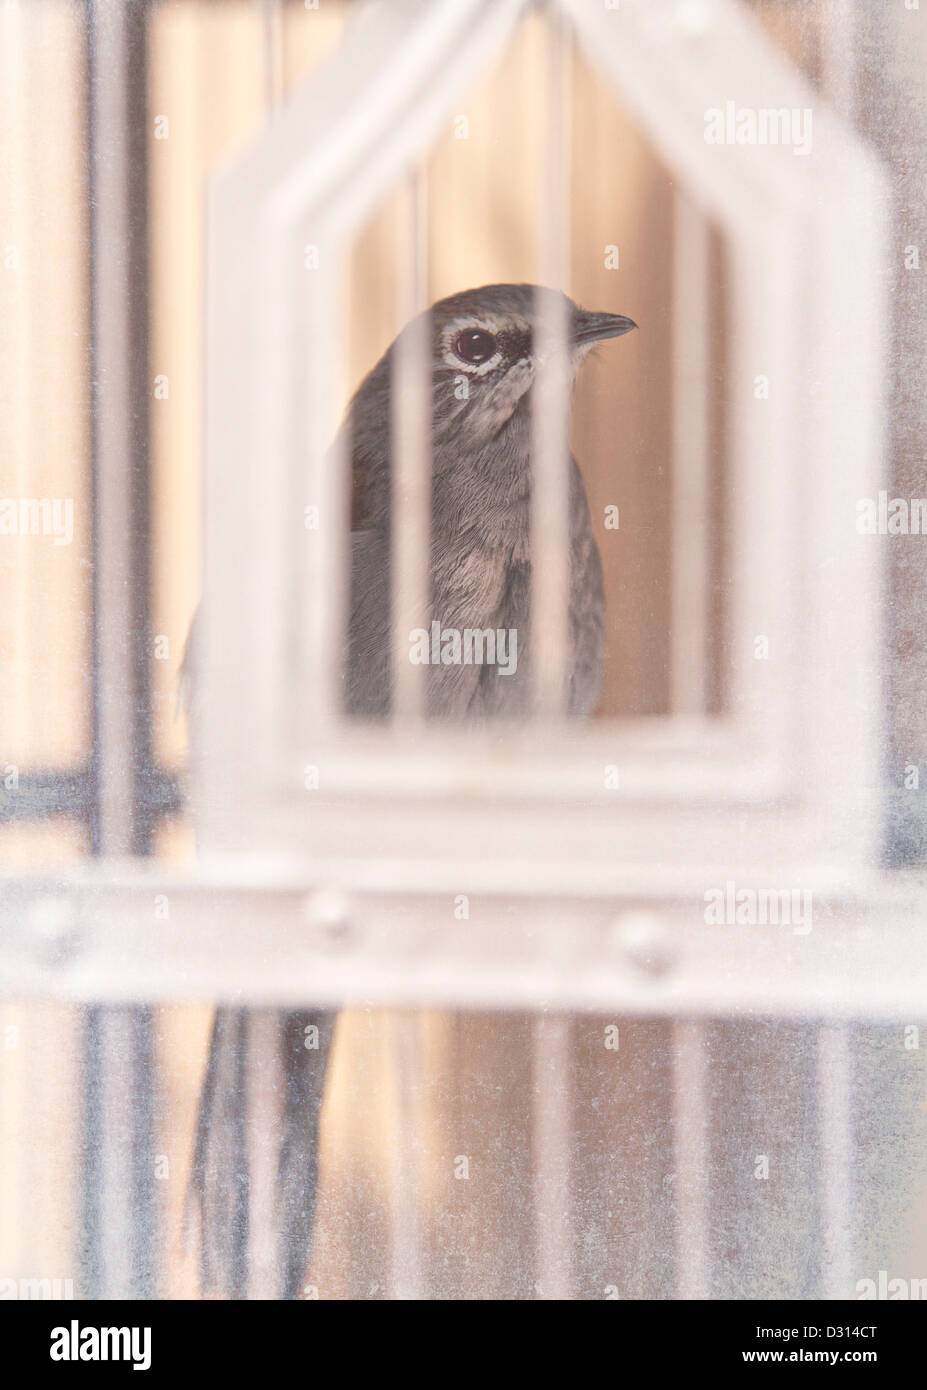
[(486, 345)]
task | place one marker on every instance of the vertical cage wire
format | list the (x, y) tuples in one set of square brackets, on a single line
[(119, 1095), (691, 476), (263, 1080), (114, 1099), (325, 555), (118, 1034), (264, 1108), (550, 447), (834, 1083), (410, 426), (406, 1271), (691, 1155), (551, 1136), (270, 17), (838, 57), (120, 568), (550, 589)]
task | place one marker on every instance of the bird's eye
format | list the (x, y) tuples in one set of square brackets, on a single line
[(475, 346)]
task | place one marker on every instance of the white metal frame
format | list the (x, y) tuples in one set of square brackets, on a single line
[(785, 783), (580, 898), (784, 792)]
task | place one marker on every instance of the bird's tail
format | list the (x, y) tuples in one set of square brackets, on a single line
[(220, 1183)]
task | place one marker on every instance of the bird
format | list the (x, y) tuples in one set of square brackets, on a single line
[(485, 358)]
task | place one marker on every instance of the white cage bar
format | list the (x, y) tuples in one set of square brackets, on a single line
[(751, 797)]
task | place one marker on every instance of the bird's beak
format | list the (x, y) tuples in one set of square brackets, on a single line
[(589, 327)]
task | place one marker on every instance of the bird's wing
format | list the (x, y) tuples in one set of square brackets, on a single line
[(368, 657)]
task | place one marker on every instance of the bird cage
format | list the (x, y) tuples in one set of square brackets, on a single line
[(613, 868), (587, 855)]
